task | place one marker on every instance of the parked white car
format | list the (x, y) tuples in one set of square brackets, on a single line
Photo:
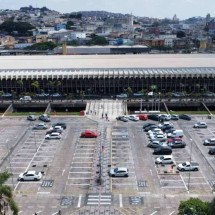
[(133, 118), (165, 159), (53, 135), (119, 171), (25, 99), (156, 130), (200, 125), (158, 137), (30, 176), (57, 127)]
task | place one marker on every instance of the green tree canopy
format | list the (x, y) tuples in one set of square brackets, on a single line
[(21, 28), (193, 206), (181, 34), (98, 40), (6, 194), (42, 46)]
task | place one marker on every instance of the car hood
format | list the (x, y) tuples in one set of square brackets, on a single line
[(111, 171), (21, 175)]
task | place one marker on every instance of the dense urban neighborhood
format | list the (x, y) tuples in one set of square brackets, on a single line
[(43, 30)]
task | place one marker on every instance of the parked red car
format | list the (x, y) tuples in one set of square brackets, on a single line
[(169, 140), (89, 134), (143, 117)]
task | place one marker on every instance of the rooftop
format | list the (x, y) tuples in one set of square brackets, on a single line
[(107, 61)]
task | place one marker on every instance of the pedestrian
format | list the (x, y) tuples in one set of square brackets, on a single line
[(95, 112), (106, 115), (102, 116), (59, 212)]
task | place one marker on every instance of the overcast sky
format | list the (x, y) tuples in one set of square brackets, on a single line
[(151, 8)]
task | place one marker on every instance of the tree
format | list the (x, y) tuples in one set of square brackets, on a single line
[(6, 195), (193, 206), (129, 91), (181, 34), (153, 88), (69, 24), (42, 46), (212, 207), (82, 94), (35, 85), (98, 40), (22, 28), (20, 83)]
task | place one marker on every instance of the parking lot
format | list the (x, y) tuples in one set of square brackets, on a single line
[(70, 167)]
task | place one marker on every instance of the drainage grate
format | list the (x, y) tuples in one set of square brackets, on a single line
[(136, 200), (142, 183), (47, 183), (66, 201)]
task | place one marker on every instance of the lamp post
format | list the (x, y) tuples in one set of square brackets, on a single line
[(9, 160), (191, 148), (159, 97)]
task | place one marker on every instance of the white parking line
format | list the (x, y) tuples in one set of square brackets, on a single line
[(90, 167), (172, 212), (76, 157), (79, 200), (184, 183), (83, 178), (178, 187), (81, 162), (153, 213), (80, 172), (120, 201), (72, 184)]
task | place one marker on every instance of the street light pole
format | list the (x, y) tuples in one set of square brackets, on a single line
[(191, 148), (9, 161)]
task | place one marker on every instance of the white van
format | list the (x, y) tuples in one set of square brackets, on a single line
[(176, 133), (25, 99)]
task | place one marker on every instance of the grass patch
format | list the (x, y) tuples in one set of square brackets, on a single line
[(190, 112), (40, 113)]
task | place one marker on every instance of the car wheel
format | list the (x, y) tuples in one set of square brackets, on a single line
[(196, 169), (35, 179), (21, 179), (182, 170), (113, 175), (126, 175)]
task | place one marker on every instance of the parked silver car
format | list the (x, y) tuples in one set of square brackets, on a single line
[(119, 172)]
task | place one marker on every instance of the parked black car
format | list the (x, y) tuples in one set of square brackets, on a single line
[(54, 131), (177, 144), (185, 117), (163, 150), (147, 125), (153, 117), (211, 151), (166, 127), (150, 127), (62, 124)]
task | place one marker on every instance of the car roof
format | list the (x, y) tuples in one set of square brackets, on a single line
[(55, 133), (31, 172), (166, 156), (122, 168), (40, 124)]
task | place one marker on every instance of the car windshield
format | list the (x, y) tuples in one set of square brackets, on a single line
[(183, 164), (116, 170), (36, 173), (25, 173), (162, 157)]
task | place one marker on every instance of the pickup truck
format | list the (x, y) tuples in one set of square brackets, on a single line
[(187, 166)]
